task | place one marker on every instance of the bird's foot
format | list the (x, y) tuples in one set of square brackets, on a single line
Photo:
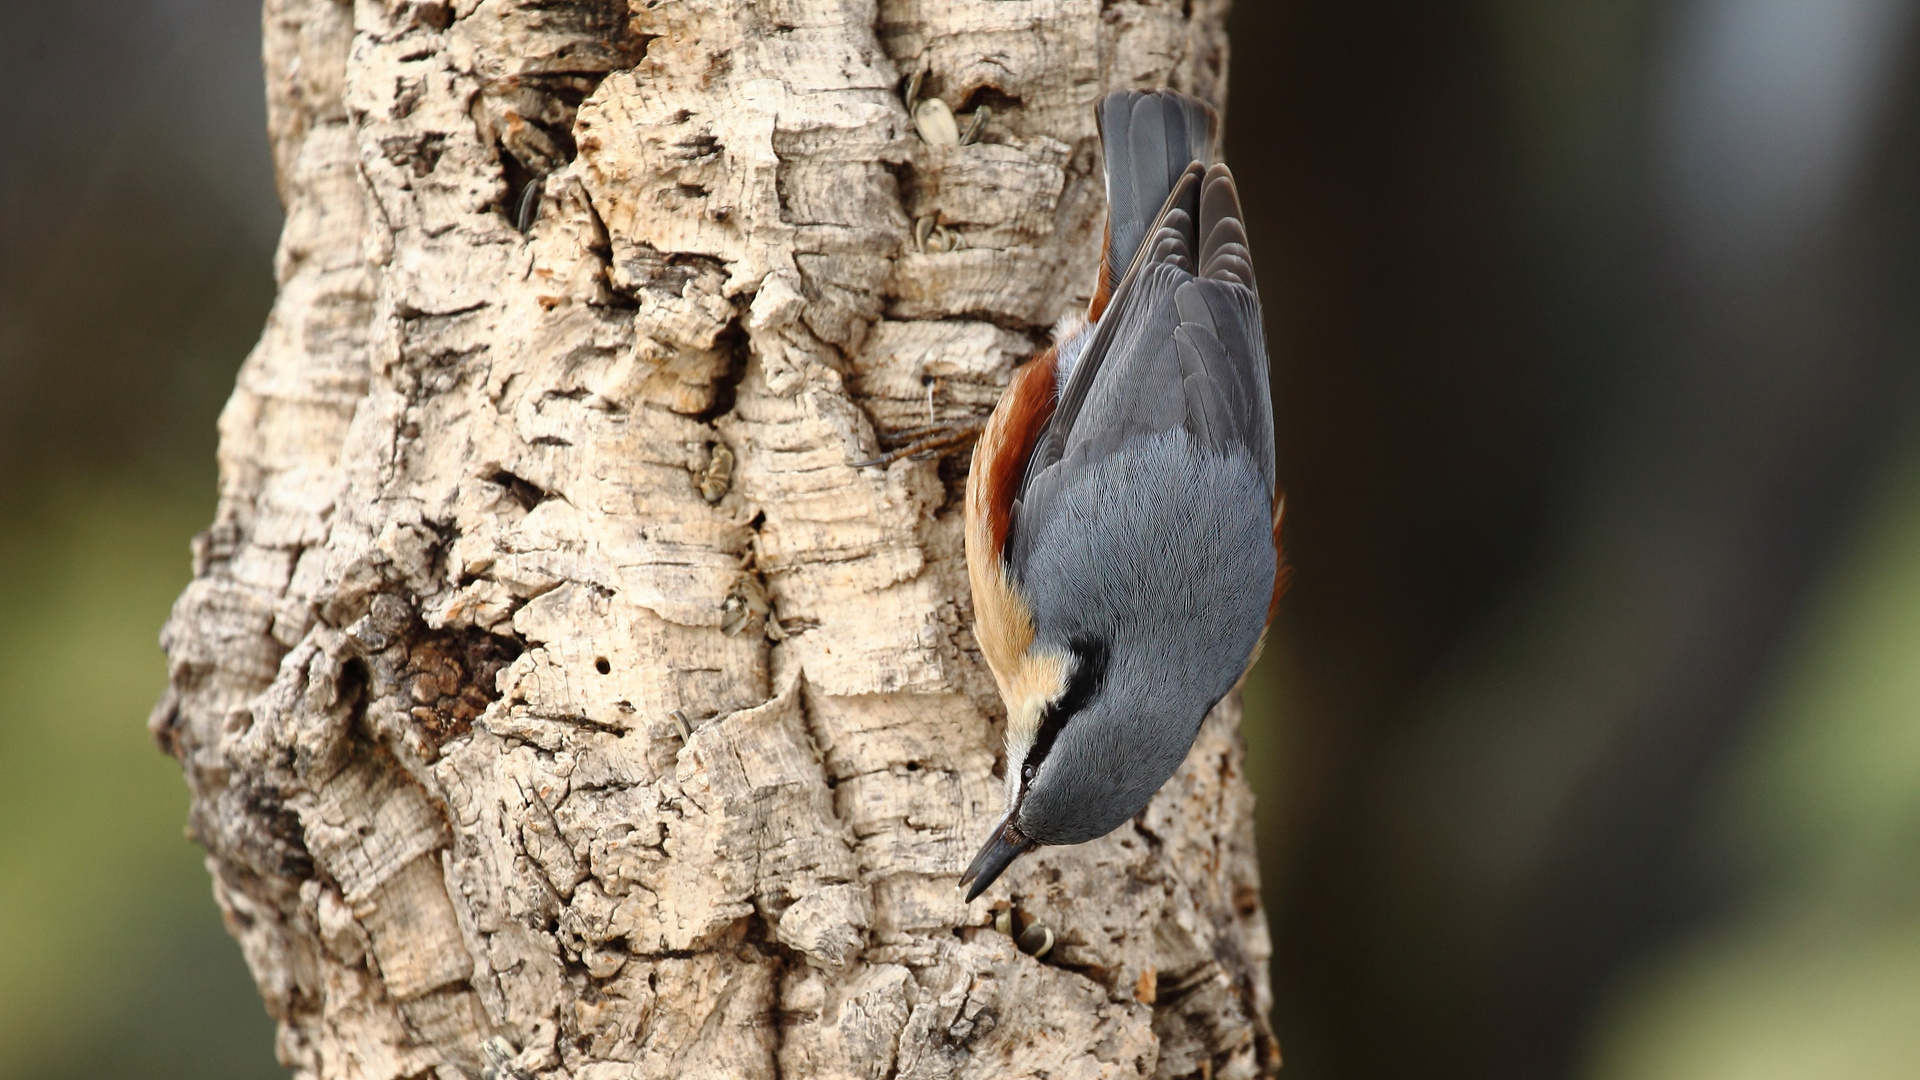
[(920, 443)]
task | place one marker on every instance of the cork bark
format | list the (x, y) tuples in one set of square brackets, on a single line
[(559, 694)]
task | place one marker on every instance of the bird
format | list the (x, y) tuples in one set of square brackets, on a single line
[(1122, 515)]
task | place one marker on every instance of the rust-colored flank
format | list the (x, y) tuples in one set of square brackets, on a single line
[(1008, 442)]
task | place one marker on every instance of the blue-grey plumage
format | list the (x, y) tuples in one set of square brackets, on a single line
[(1124, 570), (1150, 138)]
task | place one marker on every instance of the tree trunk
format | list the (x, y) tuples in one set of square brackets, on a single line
[(558, 697)]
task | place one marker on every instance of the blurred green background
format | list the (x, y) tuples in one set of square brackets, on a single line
[(138, 218), (1588, 743)]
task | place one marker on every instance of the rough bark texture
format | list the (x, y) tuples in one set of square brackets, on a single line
[(557, 697)]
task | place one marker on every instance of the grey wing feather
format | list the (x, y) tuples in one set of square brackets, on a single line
[(1223, 250), (1224, 366)]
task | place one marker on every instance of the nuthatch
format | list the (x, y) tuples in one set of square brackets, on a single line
[(1123, 525)]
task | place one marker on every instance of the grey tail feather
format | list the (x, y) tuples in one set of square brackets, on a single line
[(1150, 139)]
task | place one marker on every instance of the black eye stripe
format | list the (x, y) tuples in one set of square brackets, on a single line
[(1089, 674)]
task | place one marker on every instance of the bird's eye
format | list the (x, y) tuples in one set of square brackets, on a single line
[(1027, 771)]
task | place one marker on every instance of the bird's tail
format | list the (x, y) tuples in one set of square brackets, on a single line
[(1150, 139)]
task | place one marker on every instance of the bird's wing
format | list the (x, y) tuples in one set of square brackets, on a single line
[(1181, 345)]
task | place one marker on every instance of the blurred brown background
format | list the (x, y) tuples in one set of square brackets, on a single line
[(1589, 741)]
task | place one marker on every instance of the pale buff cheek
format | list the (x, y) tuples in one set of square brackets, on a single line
[(1018, 746), (1037, 679)]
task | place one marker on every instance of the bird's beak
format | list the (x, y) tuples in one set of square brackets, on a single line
[(1004, 846)]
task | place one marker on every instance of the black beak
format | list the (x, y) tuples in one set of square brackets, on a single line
[(1004, 846)]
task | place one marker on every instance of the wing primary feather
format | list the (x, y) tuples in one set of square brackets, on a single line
[(1222, 246), (1192, 305)]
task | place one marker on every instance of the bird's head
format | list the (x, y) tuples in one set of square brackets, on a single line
[(1086, 753)]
